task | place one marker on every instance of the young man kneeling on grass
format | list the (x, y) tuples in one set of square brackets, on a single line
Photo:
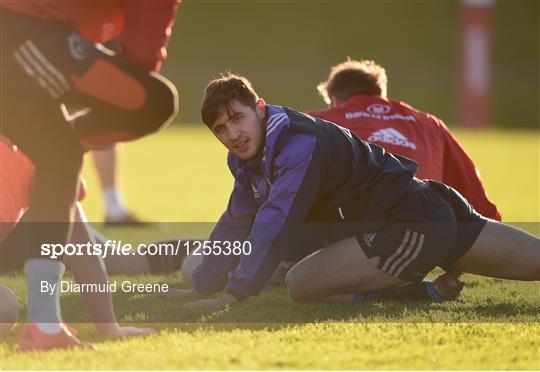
[(299, 179)]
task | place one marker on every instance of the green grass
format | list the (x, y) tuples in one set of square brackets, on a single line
[(181, 175)]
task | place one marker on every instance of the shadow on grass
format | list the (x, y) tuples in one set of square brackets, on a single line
[(275, 310), (275, 307)]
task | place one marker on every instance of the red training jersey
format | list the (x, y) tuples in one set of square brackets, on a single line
[(143, 27), (403, 130)]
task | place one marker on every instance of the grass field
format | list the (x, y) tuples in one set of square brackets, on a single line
[(181, 176)]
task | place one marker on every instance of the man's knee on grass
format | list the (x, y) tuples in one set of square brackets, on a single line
[(299, 284)]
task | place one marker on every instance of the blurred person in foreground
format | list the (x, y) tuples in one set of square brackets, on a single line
[(53, 58), (16, 177)]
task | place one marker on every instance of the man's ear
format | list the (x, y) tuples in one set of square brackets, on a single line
[(334, 102), (261, 108)]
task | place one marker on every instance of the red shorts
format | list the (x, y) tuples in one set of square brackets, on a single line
[(16, 177)]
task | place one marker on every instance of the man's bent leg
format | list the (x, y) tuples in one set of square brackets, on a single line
[(398, 253), (337, 269), (504, 252)]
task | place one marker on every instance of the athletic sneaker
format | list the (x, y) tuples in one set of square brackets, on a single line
[(32, 339)]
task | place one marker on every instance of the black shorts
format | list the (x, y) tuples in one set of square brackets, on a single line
[(431, 227)]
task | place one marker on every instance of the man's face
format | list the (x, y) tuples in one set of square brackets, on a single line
[(242, 129)]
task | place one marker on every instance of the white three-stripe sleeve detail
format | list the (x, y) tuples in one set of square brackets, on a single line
[(38, 68), (30, 72), (275, 126), (48, 65), (274, 119)]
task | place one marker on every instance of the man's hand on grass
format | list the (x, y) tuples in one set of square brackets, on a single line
[(211, 304)]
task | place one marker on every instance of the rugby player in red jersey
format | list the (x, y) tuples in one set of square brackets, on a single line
[(356, 92), (53, 58)]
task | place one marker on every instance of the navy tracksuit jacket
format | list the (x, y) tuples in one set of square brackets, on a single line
[(312, 178)]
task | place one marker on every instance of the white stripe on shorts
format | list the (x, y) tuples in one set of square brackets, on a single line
[(398, 252), (404, 255), (413, 257)]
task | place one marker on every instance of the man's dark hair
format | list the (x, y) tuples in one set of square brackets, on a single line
[(353, 77), (221, 92)]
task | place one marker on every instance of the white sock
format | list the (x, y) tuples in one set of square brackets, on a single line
[(49, 328), (115, 207), (43, 301)]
